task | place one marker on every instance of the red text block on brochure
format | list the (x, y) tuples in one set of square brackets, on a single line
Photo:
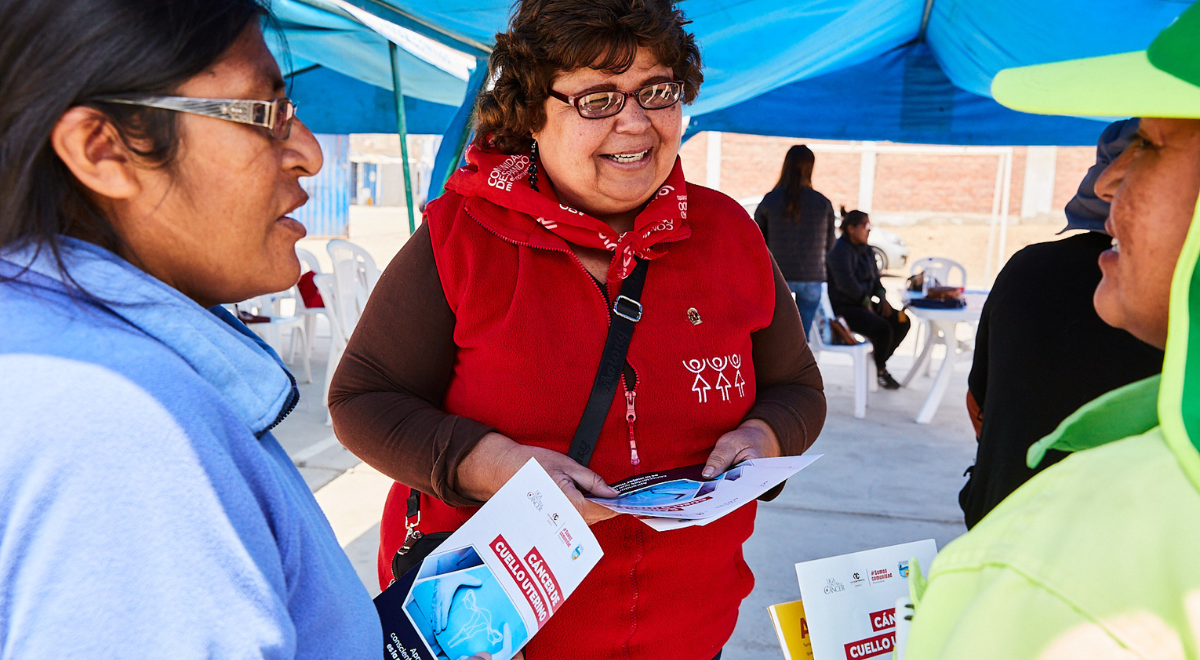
[(883, 620), (523, 577), (545, 578), (870, 647)]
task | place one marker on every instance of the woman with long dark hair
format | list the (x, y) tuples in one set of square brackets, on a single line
[(149, 159), (856, 293), (797, 222)]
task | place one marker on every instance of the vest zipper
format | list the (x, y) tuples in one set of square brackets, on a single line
[(630, 419)]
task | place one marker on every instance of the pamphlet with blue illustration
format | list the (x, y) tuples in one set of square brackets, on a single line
[(681, 497), (496, 581)]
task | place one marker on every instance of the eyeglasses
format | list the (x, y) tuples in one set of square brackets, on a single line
[(275, 116), (598, 105)]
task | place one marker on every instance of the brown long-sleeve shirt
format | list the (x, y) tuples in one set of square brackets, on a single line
[(387, 391)]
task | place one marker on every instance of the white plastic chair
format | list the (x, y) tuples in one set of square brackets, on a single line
[(308, 263), (272, 331), (339, 334), (946, 272), (941, 269), (355, 275), (860, 354)]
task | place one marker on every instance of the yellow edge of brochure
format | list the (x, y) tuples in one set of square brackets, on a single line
[(791, 627)]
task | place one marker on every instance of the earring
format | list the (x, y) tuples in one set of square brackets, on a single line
[(533, 166)]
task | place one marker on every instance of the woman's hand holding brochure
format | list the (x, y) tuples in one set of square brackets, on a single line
[(497, 458), (682, 497), (754, 438)]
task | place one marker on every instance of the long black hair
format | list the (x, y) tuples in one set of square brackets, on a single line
[(58, 54), (795, 176)]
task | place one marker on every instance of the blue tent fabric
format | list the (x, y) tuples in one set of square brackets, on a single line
[(901, 96), (775, 66), (330, 102), (335, 42)]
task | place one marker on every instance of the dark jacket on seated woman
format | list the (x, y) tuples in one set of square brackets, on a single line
[(853, 275)]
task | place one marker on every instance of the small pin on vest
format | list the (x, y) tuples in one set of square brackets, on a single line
[(694, 316)]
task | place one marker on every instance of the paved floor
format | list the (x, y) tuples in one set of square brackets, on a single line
[(883, 480)]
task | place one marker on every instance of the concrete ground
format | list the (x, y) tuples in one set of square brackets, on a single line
[(883, 480)]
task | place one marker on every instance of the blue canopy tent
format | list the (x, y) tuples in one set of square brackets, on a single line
[(900, 70)]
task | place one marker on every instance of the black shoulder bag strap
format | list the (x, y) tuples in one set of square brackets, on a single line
[(625, 313)]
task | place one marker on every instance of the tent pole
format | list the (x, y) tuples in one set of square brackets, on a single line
[(454, 141), (1008, 166), (402, 128), (991, 248), (925, 20)]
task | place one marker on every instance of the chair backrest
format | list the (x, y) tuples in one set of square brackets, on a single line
[(255, 305), (941, 269), (355, 276), (308, 261), (826, 306), (815, 341), (333, 308)]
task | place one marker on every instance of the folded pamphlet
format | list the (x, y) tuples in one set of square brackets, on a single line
[(496, 581), (680, 497), (850, 600)]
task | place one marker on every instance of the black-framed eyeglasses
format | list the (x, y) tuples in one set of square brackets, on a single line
[(598, 105), (275, 116)]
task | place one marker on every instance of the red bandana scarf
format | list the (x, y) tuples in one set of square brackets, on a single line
[(503, 180)]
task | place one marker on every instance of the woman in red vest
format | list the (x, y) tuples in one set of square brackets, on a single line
[(479, 347)]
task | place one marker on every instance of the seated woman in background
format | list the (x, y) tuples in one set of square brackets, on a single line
[(858, 296)]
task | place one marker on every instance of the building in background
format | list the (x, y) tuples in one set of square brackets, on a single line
[(897, 188)]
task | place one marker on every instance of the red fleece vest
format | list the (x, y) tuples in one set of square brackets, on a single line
[(531, 325)]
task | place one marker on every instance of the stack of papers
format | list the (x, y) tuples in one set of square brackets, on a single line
[(678, 498)]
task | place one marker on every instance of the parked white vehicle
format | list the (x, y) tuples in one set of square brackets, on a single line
[(890, 250)]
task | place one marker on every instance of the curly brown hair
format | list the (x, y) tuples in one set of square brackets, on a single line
[(549, 37)]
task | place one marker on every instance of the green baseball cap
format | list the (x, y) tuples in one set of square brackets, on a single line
[(1161, 81)]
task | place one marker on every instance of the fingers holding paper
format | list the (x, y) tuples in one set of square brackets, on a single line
[(754, 438), (496, 458)]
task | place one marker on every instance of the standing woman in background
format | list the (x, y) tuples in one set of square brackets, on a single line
[(797, 222)]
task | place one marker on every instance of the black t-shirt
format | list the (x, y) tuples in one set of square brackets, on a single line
[(1042, 352)]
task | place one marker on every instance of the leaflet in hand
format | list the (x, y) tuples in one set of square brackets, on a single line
[(673, 499), (496, 581)]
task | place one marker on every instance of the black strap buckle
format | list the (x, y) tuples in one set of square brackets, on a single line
[(628, 309)]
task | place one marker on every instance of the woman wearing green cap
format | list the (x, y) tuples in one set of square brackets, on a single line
[(1099, 556)]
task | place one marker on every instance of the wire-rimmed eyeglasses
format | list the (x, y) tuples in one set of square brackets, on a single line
[(598, 105), (275, 116)]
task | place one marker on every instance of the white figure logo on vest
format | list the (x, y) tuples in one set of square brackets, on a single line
[(722, 382)]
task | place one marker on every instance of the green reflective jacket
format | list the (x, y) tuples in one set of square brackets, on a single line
[(1098, 556)]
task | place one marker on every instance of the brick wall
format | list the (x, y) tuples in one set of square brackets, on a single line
[(904, 183), (1073, 164)]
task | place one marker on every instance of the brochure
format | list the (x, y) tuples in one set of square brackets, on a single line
[(792, 630), (496, 581), (850, 600), (672, 499)]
